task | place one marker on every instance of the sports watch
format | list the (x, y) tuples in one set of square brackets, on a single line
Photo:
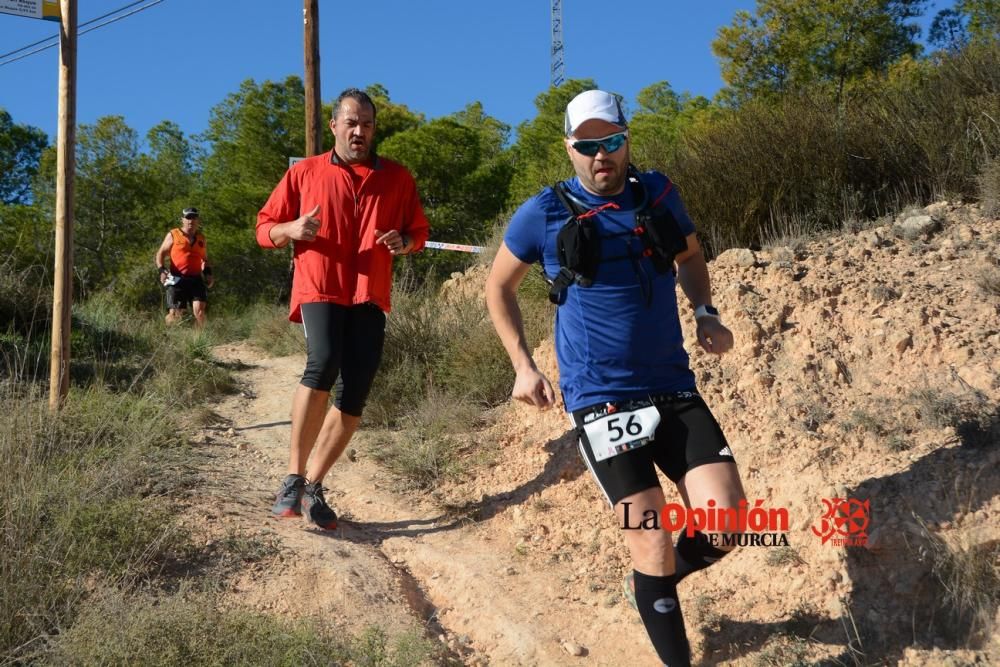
[(706, 310)]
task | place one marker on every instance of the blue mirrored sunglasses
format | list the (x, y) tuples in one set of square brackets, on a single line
[(610, 143)]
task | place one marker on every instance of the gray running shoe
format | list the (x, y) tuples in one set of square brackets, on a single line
[(316, 510), (289, 500)]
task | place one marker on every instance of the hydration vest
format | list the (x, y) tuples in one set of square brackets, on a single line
[(187, 258), (578, 243)]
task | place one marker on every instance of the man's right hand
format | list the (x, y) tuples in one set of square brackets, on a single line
[(305, 227), (533, 388)]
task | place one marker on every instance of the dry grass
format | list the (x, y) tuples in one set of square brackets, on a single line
[(442, 366), (989, 188), (264, 325), (928, 130), (865, 421), (974, 417), (883, 293), (936, 408), (988, 281), (87, 517), (811, 411), (83, 494), (430, 445), (783, 652), (790, 234), (964, 565), (76, 492), (188, 629), (447, 345), (784, 557)]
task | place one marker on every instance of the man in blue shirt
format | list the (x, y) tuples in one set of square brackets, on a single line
[(624, 373)]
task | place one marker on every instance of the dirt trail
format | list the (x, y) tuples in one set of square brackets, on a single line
[(396, 561), (866, 366)]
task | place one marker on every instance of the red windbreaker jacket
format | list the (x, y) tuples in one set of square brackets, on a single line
[(344, 265)]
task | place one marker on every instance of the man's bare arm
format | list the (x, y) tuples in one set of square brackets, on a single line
[(505, 277)]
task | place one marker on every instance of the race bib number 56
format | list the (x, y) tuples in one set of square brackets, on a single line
[(621, 431)]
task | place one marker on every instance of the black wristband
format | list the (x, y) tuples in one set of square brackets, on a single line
[(163, 269)]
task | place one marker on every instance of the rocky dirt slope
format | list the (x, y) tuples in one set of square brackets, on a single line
[(866, 366)]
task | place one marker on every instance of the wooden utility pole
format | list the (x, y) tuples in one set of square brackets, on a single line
[(314, 104), (62, 292)]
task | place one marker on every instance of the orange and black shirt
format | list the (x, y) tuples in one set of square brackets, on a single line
[(187, 257)]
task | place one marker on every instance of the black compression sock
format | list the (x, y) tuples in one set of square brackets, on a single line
[(656, 598), (695, 553)]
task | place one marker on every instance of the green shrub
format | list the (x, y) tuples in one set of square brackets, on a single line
[(443, 365), (81, 494), (428, 448), (185, 371), (123, 350), (25, 297), (274, 333), (25, 312), (922, 131), (188, 629), (73, 502), (413, 343), (448, 342), (244, 271), (137, 283)]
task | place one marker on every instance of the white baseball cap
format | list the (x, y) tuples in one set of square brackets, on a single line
[(593, 105)]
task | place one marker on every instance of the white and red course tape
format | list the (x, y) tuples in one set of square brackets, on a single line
[(457, 247)]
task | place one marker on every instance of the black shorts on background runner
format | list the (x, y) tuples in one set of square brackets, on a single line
[(343, 347), (185, 290), (687, 436)]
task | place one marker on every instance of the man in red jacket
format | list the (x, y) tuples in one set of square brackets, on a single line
[(349, 212)]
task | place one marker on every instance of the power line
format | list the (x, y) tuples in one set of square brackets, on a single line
[(23, 48), (30, 53), (82, 25), (81, 32)]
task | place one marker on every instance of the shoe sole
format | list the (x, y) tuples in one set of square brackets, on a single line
[(307, 513), (328, 526), (286, 513)]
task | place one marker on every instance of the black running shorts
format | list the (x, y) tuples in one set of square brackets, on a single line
[(185, 290), (343, 348), (688, 436)]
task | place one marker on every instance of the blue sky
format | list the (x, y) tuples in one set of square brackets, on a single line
[(178, 59)]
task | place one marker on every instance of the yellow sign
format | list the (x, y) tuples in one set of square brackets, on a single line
[(36, 9)]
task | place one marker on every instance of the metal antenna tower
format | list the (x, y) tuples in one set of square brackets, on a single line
[(558, 66)]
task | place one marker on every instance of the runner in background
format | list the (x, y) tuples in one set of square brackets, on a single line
[(189, 274)]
